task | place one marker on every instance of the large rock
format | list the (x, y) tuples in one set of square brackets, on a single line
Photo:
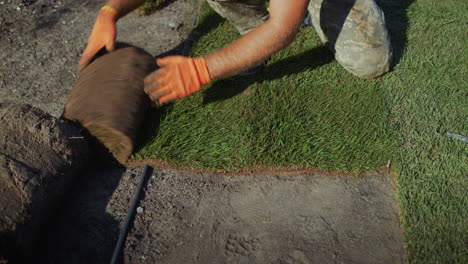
[(39, 158)]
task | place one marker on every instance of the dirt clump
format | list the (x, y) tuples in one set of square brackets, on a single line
[(39, 157)]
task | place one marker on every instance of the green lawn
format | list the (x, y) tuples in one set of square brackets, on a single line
[(427, 95), (304, 110)]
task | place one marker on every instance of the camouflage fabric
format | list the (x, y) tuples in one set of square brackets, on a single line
[(354, 29), (245, 15)]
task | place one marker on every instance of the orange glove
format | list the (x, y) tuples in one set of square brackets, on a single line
[(178, 77), (103, 35)]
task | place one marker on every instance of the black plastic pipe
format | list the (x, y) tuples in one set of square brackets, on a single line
[(129, 217), (132, 208)]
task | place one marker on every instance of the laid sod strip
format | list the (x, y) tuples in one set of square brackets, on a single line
[(427, 95), (302, 110)]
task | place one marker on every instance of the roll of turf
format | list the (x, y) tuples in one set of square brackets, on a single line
[(108, 98)]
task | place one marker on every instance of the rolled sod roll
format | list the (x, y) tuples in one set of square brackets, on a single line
[(108, 98)]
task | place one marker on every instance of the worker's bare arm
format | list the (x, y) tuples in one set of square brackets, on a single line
[(180, 76), (275, 34), (124, 7)]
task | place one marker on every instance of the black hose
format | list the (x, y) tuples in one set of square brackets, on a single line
[(129, 217), (132, 208)]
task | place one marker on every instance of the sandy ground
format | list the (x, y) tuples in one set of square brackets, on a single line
[(187, 217)]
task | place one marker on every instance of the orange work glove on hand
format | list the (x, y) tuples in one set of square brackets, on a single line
[(103, 35), (178, 77)]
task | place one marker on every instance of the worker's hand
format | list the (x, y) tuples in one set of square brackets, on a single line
[(102, 35), (178, 77)]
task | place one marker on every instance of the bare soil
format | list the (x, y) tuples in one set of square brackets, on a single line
[(189, 217), (186, 217)]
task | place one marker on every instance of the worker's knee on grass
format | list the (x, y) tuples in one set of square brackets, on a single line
[(245, 16), (366, 63), (363, 46)]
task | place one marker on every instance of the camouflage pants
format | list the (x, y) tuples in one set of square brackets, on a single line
[(354, 29)]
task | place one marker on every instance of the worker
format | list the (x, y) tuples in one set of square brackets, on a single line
[(353, 29)]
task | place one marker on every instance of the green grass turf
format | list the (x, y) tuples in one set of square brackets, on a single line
[(305, 110), (427, 94)]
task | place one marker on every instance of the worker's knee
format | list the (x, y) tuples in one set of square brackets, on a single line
[(358, 35), (244, 15), (367, 63), (363, 45)]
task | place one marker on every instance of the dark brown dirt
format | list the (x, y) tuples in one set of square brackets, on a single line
[(108, 98), (39, 159)]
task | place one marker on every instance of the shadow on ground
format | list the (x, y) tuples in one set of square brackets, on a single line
[(210, 23), (83, 230), (308, 60), (396, 17)]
